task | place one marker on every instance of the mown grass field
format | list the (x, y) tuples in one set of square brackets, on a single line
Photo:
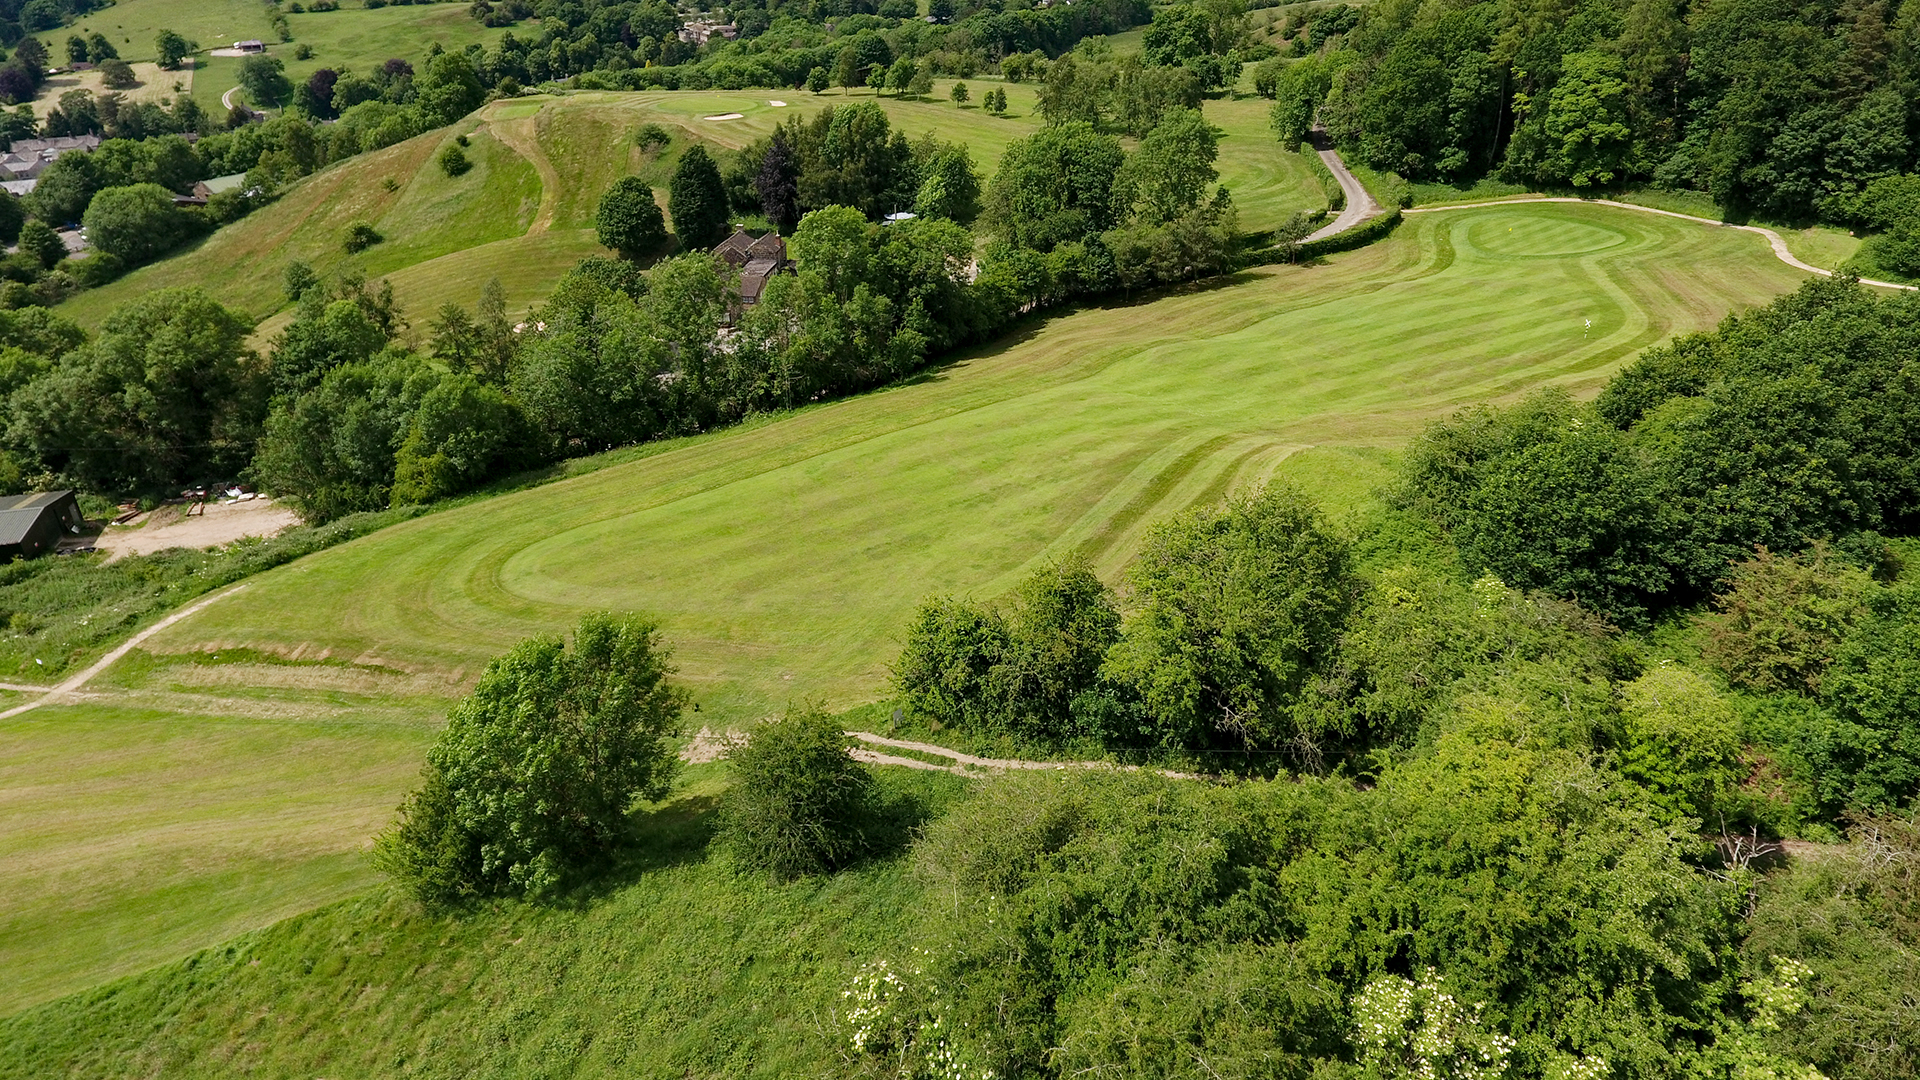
[(784, 557), (350, 39), (525, 212)]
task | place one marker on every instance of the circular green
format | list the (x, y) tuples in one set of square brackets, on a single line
[(1533, 236)]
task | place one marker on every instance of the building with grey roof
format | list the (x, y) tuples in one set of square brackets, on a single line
[(34, 524)]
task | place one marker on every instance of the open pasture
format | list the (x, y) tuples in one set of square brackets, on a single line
[(784, 557), (525, 212)]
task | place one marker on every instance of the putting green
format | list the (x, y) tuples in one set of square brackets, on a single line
[(1528, 239)]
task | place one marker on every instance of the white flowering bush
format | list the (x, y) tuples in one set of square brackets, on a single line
[(1406, 1030), (1580, 1068), (1775, 999), (895, 1025)]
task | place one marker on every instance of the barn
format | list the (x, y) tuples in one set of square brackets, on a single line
[(33, 524)]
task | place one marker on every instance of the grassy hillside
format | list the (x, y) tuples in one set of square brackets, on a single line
[(525, 213), (784, 556), (744, 982)]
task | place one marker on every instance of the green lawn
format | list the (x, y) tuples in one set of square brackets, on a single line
[(745, 980), (352, 38), (127, 832), (784, 557), (525, 212)]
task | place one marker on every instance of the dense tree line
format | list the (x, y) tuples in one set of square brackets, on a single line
[(1774, 109), (626, 45)]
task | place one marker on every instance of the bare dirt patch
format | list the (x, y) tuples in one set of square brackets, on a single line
[(151, 83), (707, 746), (172, 527)]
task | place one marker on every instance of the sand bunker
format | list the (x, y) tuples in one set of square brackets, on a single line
[(724, 116), (778, 104)]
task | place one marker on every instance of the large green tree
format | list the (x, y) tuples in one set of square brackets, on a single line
[(137, 224), (629, 220), (1055, 186), (697, 200), (530, 786), (264, 80), (168, 392), (1236, 605)]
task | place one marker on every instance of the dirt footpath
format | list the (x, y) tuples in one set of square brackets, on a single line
[(170, 527)]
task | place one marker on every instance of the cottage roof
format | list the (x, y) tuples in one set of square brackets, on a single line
[(753, 279), (16, 524), (736, 249)]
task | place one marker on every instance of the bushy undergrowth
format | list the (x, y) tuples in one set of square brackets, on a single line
[(799, 803), (56, 612)]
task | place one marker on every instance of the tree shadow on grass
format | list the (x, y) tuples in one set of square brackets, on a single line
[(675, 834), (900, 804)]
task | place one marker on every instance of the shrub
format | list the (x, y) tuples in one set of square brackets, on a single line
[(1680, 741), (1853, 917), (38, 240), (360, 237), (1237, 604), (453, 161), (1781, 618), (652, 137), (1015, 671), (531, 784), (1865, 750), (798, 801)]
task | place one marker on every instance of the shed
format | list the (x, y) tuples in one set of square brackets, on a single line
[(208, 188), (252, 45), (34, 524)]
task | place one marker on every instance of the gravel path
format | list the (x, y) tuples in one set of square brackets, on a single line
[(1360, 205), (968, 765), (61, 691)]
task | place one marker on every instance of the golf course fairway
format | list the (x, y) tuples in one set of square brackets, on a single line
[(245, 755)]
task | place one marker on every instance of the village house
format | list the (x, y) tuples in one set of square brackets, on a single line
[(757, 259), (26, 159), (697, 31)]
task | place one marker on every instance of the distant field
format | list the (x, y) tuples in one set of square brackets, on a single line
[(785, 557), (151, 84), (351, 38), (525, 213)]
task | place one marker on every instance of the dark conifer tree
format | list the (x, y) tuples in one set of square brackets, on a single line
[(778, 183), (698, 201)]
